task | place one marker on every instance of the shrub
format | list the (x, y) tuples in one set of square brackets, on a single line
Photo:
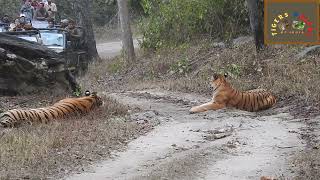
[(10, 7), (176, 21)]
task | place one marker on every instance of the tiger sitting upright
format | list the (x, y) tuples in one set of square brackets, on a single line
[(224, 95), (61, 109)]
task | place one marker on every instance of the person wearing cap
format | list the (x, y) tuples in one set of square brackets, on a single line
[(22, 19), (27, 10), (64, 23), (51, 8)]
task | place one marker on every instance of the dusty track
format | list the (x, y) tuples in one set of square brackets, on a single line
[(111, 49), (188, 146)]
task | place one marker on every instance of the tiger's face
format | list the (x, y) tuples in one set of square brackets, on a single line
[(218, 80), (98, 100)]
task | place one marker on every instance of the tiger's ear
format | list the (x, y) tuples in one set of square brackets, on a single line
[(225, 75), (94, 93), (87, 93), (215, 76)]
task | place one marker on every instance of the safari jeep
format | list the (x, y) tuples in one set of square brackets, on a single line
[(56, 39)]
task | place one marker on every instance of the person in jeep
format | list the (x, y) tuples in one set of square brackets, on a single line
[(51, 8), (41, 13), (27, 10), (4, 23), (64, 23), (5, 19), (35, 4), (75, 35), (50, 23)]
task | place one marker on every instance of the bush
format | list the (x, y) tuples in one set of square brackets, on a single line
[(176, 21), (104, 12), (10, 7)]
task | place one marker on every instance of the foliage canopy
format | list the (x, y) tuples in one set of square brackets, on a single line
[(176, 21)]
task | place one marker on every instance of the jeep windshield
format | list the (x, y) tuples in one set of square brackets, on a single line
[(29, 38), (53, 40)]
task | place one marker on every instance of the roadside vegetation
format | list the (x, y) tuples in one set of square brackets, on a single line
[(54, 150), (60, 147), (184, 43), (171, 23)]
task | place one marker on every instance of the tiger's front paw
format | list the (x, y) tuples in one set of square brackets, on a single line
[(193, 110)]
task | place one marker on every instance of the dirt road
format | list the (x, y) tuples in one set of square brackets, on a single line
[(225, 144), (111, 49)]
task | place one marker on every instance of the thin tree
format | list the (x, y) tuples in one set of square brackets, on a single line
[(127, 41), (256, 22), (84, 16)]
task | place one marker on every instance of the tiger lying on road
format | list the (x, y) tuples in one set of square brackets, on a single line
[(226, 96), (63, 108)]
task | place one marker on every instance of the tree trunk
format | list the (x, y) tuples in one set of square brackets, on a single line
[(256, 21), (127, 41), (84, 9)]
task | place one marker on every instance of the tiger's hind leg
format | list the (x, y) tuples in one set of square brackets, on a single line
[(206, 107)]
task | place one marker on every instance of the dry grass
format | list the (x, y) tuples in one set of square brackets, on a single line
[(55, 149), (188, 68), (308, 165)]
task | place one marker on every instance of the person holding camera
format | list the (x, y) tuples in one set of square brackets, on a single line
[(51, 9)]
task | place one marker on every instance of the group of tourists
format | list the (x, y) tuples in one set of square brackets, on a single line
[(38, 10), (32, 11)]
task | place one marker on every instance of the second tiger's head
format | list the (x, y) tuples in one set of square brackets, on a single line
[(98, 100), (218, 79)]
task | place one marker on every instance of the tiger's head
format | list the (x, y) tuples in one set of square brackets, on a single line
[(218, 80), (97, 100)]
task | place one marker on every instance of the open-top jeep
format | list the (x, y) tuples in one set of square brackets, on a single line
[(57, 40)]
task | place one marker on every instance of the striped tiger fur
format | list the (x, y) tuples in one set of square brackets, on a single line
[(61, 109), (224, 95)]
